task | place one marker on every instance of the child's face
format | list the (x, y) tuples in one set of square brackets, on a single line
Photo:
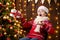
[(41, 13)]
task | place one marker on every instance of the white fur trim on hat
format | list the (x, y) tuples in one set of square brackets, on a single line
[(43, 8), (13, 10)]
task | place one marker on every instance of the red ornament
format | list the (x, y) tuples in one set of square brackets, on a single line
[(1, 35), (9, 20), (8, 38)]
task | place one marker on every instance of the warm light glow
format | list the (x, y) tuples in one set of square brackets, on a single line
[(24, 9), (56, 18), (56, 31), (15, 35), (21, 10), (33, 5), (58, 4), (57, 22), (32, 9), (24, 1), (5, 33), (14, 23), (11, 27), (57, 27), (56, 36), (20, 32), (24, 5), (49, 37), (4, 17), (50, 9), (49, 14), (7, 3), (31, 18), (0, 27)]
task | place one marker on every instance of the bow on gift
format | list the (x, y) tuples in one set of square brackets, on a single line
[(15, 13)]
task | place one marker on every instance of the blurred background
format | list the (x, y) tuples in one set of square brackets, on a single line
[(12, 30)]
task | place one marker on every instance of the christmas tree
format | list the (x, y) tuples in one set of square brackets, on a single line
[(10, 28)]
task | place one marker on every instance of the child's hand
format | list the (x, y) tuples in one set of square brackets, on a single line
[(40, 23)]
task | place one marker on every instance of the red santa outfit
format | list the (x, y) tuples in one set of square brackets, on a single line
[(40, 27), (38, 31)]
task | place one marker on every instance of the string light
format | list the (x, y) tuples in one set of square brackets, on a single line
[(57, 27)]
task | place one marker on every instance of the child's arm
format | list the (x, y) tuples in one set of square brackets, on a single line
[(26, 24), (49, 28)]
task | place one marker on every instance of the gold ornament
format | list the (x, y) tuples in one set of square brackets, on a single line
[(7, 3), (7, 8), (7, 17), (14, 23), (4, 17), (5, 33), (20, 32), (15, 35)]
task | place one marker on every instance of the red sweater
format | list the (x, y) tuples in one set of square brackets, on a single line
[(44, 30)]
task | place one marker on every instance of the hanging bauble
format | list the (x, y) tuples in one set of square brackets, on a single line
[(42, 1), (36, 1), (29, 0), (55, 1), (49, 1)]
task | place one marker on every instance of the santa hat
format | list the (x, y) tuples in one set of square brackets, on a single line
[(43, 8)]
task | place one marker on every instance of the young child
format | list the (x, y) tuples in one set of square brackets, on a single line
[(40, 26)]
